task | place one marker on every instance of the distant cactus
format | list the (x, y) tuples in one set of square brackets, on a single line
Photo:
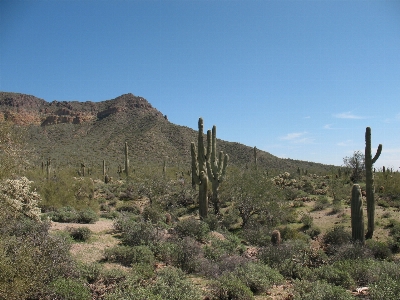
[(255, 156), (370, 189), (48, 168), (357, 216), (276, 237), (168, 218), (216, 168), (83, 169), (126, 160)]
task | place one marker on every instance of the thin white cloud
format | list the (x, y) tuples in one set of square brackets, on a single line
[(328, 126), (345, 143), (347, 115), (297, 138), (292, 136), (308, 117)]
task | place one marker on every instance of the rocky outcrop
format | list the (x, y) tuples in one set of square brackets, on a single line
[(29, 110)]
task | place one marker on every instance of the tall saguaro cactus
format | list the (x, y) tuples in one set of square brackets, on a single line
[(255, 156), (370, 189), (357, 217), (126, 160), (216, 167), (199, 169)]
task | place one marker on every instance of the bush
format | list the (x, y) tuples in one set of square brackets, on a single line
[(69, 214), (258, 277), (128, 207), (185, 256), (192, 228), (333, 275), (171, 284), (336, 236), (153, 215), (319, 290), (81, 234), (307, 220), (31, 258), (228, 286), (127, 255), (380, 250), (69, 289), (136, 232), (16, 197), (385, 288)]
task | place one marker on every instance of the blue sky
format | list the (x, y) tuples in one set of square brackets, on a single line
[(299, 79)]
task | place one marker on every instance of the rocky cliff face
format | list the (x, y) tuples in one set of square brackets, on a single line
[(29, 110)]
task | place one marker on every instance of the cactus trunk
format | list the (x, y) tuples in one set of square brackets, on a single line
[(126, 160), (199, 170), (370, 189), (357, 216)]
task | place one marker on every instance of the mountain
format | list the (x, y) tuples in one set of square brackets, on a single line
[(72, 132)]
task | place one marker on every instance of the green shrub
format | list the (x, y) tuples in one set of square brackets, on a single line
[(136, 232), (128, 206), (385, 288), (153, 215), (31, 258), (192, 228), (171, 284), (81, 234), (87, 216), (69, 289), (89, 271), (307, 220), (321, 203), (336, 236), (229, 286), (258, 277), (127, 255), (185, 256), (69, 214), (333, 275), (319, 290), (380, 250)]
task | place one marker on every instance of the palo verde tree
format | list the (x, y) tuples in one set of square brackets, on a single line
[(356, 163)]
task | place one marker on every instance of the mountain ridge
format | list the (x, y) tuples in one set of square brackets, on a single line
[(72, 132)]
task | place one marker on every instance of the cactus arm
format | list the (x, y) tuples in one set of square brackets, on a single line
[(378, 153), (226, 159)]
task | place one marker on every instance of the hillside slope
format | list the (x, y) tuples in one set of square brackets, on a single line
[(72, 132)]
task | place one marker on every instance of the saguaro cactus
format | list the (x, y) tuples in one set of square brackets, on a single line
[(216, 168), (126, 160), (370, 189), (357, 216), (199, 169), (255, 156)]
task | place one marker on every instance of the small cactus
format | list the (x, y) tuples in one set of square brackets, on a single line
[(276, 237), (357, 216)]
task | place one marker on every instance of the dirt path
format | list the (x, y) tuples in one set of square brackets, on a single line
[(101, 239)]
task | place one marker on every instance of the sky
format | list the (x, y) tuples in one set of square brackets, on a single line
[(298, 79)]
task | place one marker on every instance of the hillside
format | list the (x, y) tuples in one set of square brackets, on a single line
[(72, 132)]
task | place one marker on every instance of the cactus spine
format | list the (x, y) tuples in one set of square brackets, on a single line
[(126, 160), (199, 170), (357, 216), (216, 168), (370, 189)]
